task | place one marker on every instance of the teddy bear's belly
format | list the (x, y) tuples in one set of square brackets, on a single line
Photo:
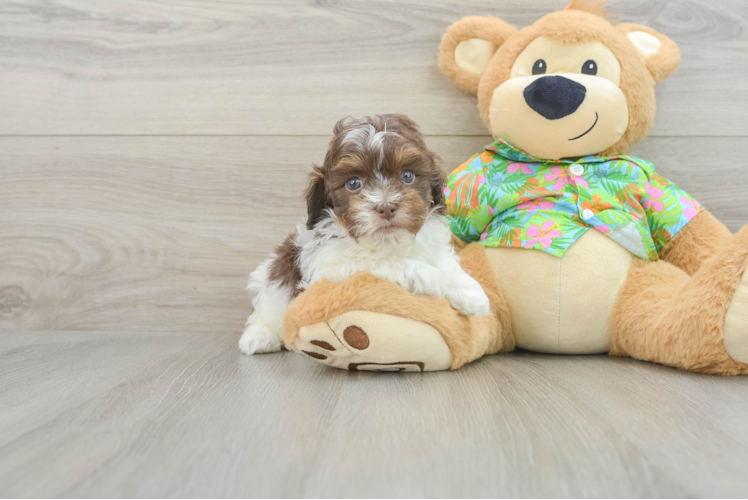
[(563, 305)]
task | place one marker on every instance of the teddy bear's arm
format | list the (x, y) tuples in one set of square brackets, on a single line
[(387, 316), (696, 243)]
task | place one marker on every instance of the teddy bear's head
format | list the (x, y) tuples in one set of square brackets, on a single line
[(572, 84)]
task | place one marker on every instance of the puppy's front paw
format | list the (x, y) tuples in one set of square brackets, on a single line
[(259, 338), (470, 299)]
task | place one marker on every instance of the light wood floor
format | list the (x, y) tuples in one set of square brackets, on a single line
[(182, 414), (152, 152)]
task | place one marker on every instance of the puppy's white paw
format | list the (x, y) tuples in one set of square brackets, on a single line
[(469, 298), (259, 338)]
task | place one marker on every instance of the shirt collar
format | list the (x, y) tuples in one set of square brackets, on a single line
[(506, 150)]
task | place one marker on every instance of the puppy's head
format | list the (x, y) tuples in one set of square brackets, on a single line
[(378, 178)]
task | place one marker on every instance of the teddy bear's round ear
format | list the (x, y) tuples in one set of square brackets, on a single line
[(660, 53), (468, 46)]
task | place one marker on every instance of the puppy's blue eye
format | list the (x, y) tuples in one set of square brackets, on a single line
[(354, 184), (408, 177)]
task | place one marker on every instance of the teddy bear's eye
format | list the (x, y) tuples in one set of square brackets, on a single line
[(539, 68), (589, 68)]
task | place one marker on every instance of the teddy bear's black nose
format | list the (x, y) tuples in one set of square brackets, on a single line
[(554, 97)]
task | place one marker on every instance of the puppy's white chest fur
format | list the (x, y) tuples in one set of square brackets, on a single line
[(327, 251), (424, 263)]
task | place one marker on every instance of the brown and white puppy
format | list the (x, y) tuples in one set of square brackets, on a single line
[(376, 205)]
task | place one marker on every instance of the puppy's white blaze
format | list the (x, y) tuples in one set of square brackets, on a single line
[(376, 142), (379, 176), (382, 192), (373, 196), (376, 139), (366, 137), (358, 136)]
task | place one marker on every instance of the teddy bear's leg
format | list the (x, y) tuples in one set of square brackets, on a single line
[(697, 323), (697, 243), (367, 323)]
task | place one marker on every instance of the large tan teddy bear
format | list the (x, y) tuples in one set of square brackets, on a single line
[(580, 248)]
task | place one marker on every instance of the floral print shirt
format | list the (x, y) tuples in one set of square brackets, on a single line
[(504, 197)]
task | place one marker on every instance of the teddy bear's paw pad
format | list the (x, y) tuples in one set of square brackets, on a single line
[(736, 323), (361, 340)]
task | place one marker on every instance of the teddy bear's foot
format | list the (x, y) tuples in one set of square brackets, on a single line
[(362, 340), (697, 323), (736, 323)]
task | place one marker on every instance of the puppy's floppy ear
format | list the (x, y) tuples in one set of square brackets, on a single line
[(468, 46), (660, 53), (437, 190), (316, 197)]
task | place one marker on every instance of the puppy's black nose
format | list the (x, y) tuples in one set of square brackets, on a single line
[(554, 97), (386, 210)]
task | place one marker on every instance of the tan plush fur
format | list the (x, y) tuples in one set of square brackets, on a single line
[(468, 338), (665, 316), (698, 242), (490, 337), (492, 29), (662, 64), (595, 7)]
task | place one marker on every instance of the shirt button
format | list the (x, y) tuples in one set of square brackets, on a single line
[(587, 213), (576, 170)]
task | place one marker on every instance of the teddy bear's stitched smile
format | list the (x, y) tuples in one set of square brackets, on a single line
[(597, 117)]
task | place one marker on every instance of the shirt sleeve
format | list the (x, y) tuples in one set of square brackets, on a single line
[(461, 195), (667, 207)]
